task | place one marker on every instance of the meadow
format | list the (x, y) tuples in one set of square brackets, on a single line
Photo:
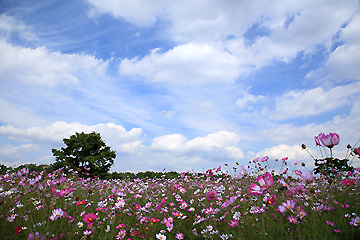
[(250, 205), (241, 202)]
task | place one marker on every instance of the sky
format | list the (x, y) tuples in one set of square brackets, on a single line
[(182, 85)]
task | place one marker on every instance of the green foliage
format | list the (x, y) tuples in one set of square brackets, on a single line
[(3, 168), (86, 153), (331, 166)]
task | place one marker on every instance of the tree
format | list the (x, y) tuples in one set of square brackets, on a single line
[(86, 153)]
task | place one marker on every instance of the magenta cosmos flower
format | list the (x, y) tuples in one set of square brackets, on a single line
[(329, 140), (211, 195), (89, 218), (159, 206)]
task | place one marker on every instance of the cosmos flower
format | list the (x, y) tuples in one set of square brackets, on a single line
[(57, 213), (355, 221), (211, 195), (329, 140), (292, 219), (159, 206), (121, 234), (89, 218), (264, 183), (18, 230), (347, 182), (179, 236), (229, 202), (160, 236), (288, 205)]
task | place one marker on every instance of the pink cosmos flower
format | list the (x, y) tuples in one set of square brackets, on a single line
[(271, 200), (292, 219), (301, 213), (330, 223), (288, 205), (162, 202), (298, 172), (89, 218), (233, 223), (57, 213), (121, 234), (184, 205), (179, 236), (229, 202), (211, 195), (355, 221), (300, 189), (347, 182), (36, 236), (307, 177), (87, 232), (241, 172), (264, 182), (329, 140)]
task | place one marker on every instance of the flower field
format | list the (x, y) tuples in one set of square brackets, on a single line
[(247, 202), (253, 204)]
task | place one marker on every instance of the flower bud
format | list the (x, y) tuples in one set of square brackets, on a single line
[(303, 146), (348, 146)]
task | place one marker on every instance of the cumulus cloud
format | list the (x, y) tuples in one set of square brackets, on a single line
[(40, 66), (213, 36), (187, 64), (342, 62), (219, 141), (247, 100), (114, 135), (294, 134), (303, 103)]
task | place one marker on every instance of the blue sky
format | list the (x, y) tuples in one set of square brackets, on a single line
[(181, 85)]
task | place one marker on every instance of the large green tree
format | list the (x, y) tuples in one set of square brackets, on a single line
[(86, 153)]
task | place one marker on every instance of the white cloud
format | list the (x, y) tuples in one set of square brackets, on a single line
[(10, 25), (114, 135), (142, 13), (247, 100), (291, 27), (40, 66), (293, 134), (220, 141), (303, 103), (174, 142), (187, 64), (343, 62)]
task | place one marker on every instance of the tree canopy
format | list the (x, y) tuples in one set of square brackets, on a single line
[(86, 153)]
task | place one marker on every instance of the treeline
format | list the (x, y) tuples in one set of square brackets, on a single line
[(114, 175)]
